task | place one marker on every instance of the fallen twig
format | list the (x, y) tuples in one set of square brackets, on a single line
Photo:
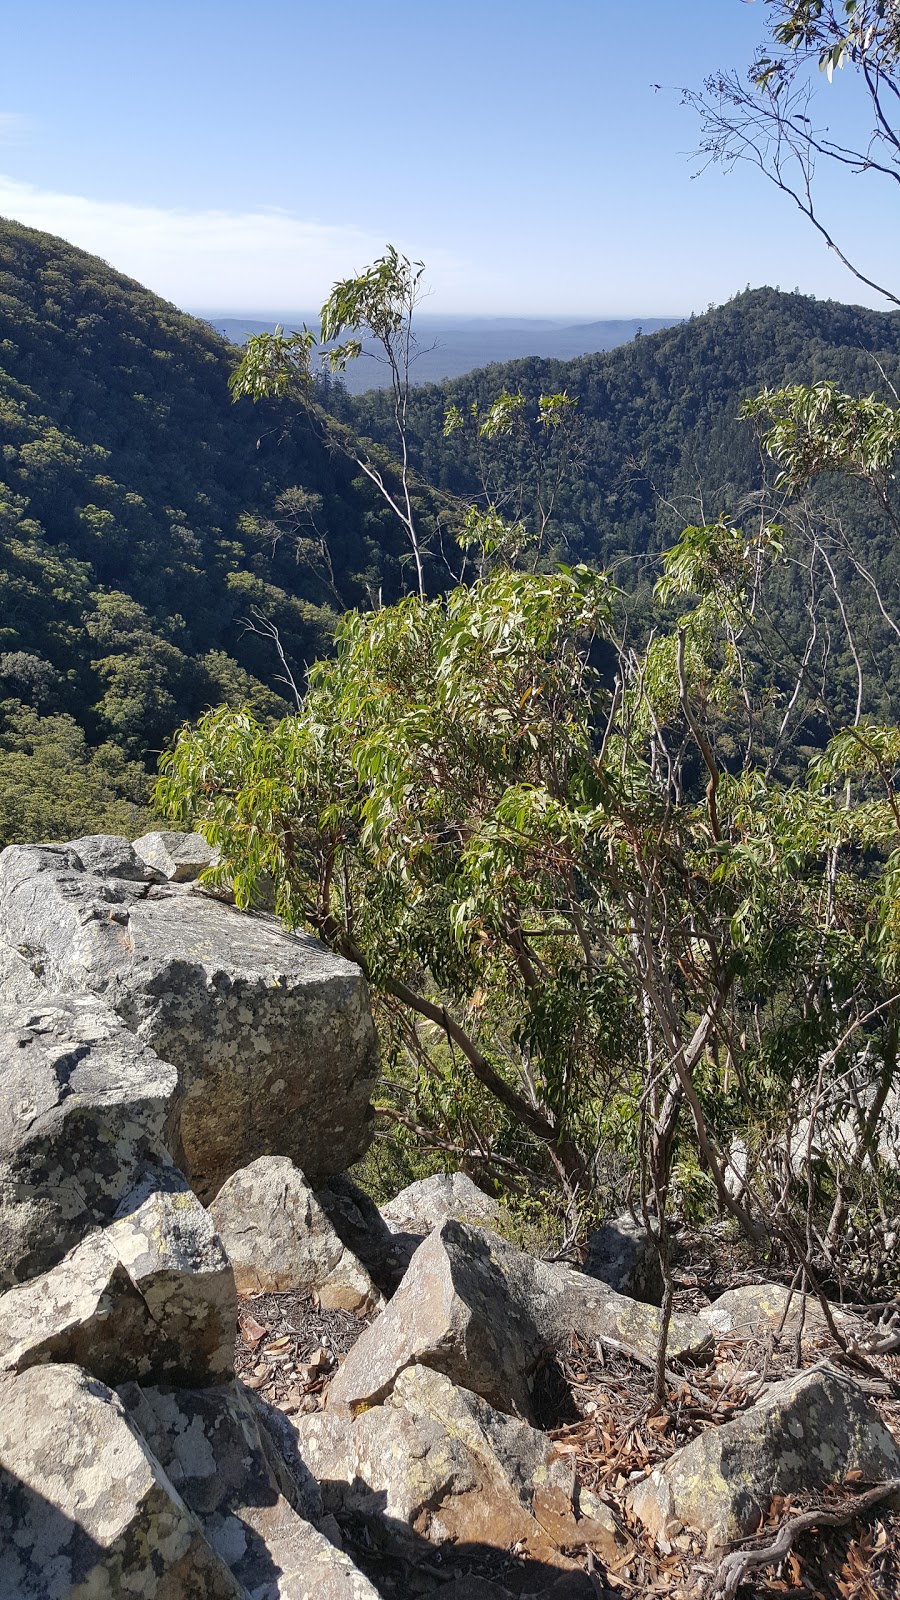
[(739, 1564)]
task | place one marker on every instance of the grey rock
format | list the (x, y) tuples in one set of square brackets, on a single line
[(110, 856), (271, 1034), (85, 1110), (756, 1311), (280, 1446), (441, 1462), (151, 1296), (423, 1206), (475, 1308), (19, 984), (427, 1203), (623, 1254), (178, 857), (278, 1237), (85, 1508), (358, 1223), (807, 1432), (208, 1442)]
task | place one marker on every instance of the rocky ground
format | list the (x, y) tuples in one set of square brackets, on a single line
[(595, 1403), (225, 1375)]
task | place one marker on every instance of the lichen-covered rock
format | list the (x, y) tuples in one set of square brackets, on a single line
[(179, 857), (441, 1462), (278, 1237), (477, 1309), (428, 1202), (623, 1254), (85, 1509), (151, 1296), (208, 1443), (807, 1432), (758, 1310), (359, 1225), (271, 1034), (85, 1110)]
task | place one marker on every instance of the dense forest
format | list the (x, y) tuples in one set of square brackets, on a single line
[(657, 441), (155, 534), (144, 520)]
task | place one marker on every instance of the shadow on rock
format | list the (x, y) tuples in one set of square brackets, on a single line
[(402, 1565)]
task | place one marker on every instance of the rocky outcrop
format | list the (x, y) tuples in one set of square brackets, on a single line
[(623, 1254), (440, 1462), (89, 1509), (270, 1033), (114, 1283), (159, 1048), (278, 1237), (86, 1112), (473, 1307), (807, 1432)]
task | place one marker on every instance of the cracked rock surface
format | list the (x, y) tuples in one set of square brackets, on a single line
[(270, 1033)]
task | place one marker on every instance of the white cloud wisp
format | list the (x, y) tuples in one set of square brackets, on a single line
[(218, 259)]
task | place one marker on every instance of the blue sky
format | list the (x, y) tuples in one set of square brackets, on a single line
[(240, 157)]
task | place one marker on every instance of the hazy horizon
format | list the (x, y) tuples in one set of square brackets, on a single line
[(580, 198)]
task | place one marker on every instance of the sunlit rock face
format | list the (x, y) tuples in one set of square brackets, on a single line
[(271, 1034), (807, 1432)]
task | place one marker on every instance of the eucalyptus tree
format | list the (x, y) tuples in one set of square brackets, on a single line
[(770, 115), (378, 302), (580, 914)]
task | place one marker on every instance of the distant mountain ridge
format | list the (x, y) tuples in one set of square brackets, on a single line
[(139, 509), (663, 445), (450, 347)]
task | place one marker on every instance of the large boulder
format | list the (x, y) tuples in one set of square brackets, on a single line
[(622, 1253), (440, 1462), (208, 1443), (150, 1296), (278, 1237), (86, 1110), (85, 1508), (806, 1433), (271, 1034), (480, 1311)]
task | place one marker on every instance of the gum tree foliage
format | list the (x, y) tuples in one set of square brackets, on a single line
[(772, 116), (378, 302), (524, 452), (586, 928)]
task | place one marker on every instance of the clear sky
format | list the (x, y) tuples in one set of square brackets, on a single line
[(238, 156)]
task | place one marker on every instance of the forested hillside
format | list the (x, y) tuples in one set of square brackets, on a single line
[(141, 520), (659, 415), (145, 518), (658, 443)]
